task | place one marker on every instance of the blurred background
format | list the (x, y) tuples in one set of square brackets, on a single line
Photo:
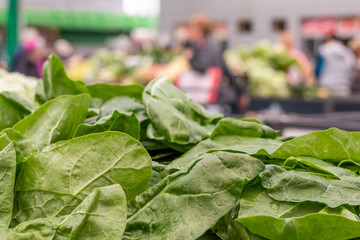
[(293, 64)]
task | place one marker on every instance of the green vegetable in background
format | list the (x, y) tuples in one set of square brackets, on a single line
[(266, 66), (18, 84)]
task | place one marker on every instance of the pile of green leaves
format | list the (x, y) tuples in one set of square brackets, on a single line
[(126, 162), (266, 66)]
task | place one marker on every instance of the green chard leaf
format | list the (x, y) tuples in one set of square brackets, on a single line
[(332, 144), (55, 120), (12, 109), (318, 165), (176, 208), (251, 146), (7, 183), (37, 229), (227, 228), (279, 220), (102, 215), (24, 146), (244, 128), (124, 105), (56, 82), (115, 122), (53, 182), (107, 91), (175, 116), (350, 165), (159, 172), (300, 186)]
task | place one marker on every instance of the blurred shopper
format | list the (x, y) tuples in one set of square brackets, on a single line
[(336, 66), (30, 57), (204, 81), (63, 49), (287, 40), (354, 45)]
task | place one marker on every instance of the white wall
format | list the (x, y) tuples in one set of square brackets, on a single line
[(77, 5), (262, 12), (131, 7)]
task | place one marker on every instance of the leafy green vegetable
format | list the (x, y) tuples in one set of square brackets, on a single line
[(24, 146), (124, 105), (159, 172), (115, 122), (320, 165), (266, 66), (12, 109), (299, 186), (55, 120), (72, 168), (107, 91), (350, 164), (7, 183), (244, 128), (56, 82), (41, 228), (182, 122), (187, 210), (208, 236), (152, 145), (102, 215), (272, 219), (332, 144), (18, 84), (53, 182), (154, 134), (229, 229), (252, 146)]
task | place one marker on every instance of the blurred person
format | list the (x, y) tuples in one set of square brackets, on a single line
[(354, 45), (63, 49), (30, 57), (221, 35), (335, 67), (204, 81), (287, 40), (3, 63)]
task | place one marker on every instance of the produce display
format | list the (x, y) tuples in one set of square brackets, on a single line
[(266, 66), (19, 84), (106, 161), (126, 68)]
